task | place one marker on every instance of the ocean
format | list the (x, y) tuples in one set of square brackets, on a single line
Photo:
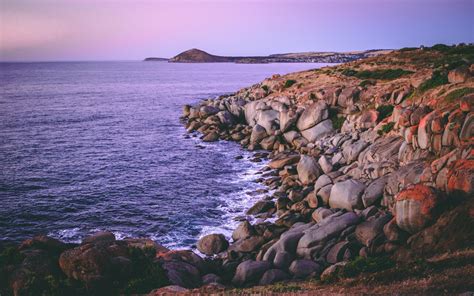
[(89, 146)]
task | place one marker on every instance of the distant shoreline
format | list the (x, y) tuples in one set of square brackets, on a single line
[(199, 56)]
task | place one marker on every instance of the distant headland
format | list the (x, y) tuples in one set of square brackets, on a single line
[(199, 56)]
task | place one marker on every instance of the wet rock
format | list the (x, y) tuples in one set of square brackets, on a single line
[(308, 169), (244, 230), (249, 272), (282, 160), (414, 207), (260, 207), (258, 133), (145, 243), (226, 118), (248, 244), (211, 137), (347, 195), (313, 115), (99, 237), (212, 244), (268, 143), (272, 276), (302, 268), (44, 242), (89, 263)]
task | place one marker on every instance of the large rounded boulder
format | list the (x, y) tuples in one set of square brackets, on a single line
[(313, 115), (250, 272), (415, 207), (347, 195), (308, 169), (212, 244)]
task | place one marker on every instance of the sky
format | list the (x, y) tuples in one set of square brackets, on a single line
[(56, 30)]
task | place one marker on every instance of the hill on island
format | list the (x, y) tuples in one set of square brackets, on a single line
[(199, 56)]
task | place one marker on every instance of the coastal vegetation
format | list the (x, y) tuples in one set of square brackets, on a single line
[(383, 74), (289, 83)]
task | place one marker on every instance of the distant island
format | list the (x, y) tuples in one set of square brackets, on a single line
[(199, 56), (154, 59)]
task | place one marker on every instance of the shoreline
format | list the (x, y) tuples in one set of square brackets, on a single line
[(370, 165)]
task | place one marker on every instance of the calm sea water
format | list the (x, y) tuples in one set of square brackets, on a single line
[(93, 146)]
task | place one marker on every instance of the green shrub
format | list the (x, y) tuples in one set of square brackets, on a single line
[(386, 128), (265, 88), (384, 112), (382, 74), (367, 82), (146, 273), (284, 288), (10, 256), (458, 93), (289, 83), (438, 78), (366, 265), (349, 72), (385, 74), (440, 47), (337, 122), (408, 49)]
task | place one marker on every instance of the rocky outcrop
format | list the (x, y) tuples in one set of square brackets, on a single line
[(356, 167)]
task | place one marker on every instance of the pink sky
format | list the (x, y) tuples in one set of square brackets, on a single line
[(127, 30)]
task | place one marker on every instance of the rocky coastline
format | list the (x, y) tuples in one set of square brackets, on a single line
[(369, 161)]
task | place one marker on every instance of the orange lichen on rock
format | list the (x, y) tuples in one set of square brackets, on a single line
[(461, 177)]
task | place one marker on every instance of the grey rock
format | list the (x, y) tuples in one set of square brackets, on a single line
[(272, 276), (308, 169), (320, 130), (374, 191), (347, 195), (250, 271), (313, 115), (302, 268), (317, 235)]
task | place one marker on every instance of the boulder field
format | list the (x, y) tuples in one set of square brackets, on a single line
[(369, 158)]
